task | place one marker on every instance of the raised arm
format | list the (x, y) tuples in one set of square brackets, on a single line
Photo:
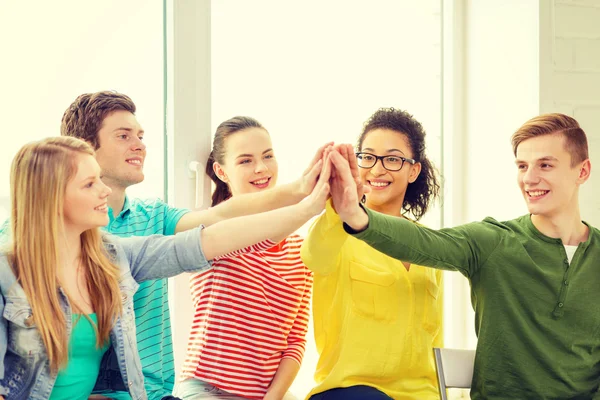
[(157, 256), (236, 233), (253, 203), (321, 250), (463, 248)]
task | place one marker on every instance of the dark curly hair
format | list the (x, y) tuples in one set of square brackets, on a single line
[(421, 193)]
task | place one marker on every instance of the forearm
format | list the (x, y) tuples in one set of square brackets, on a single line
[(449, 248), (254, 203), (236, 233), (284, 377), (245, 204), (321, 250)]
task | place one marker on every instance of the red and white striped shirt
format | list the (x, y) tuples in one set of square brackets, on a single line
[(251, 311)]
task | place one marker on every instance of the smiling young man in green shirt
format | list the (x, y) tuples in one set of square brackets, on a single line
[(535, 280)]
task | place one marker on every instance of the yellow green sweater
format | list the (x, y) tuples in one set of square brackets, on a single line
[(375, 322)]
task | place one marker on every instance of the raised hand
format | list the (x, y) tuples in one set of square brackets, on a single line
[(309, 177), (347, 152), (320, 193), (344, 189)]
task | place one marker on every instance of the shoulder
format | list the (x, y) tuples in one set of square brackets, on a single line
[(147, 205)]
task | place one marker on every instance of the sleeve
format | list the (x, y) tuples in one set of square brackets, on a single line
[(5, 232), (3, 344), (158, 256), (321, 250), (438, 340), (297, 336), (463, 248), (260, 246), (172, 217)]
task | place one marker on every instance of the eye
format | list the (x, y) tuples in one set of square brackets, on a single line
[(546, 166), (141, 137), (89, 184), (393, 159), (269, 156), (522, 167), (367, 157), (123, 136), (245, 161)]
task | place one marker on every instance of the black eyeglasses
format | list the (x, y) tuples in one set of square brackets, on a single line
[(391, 163)]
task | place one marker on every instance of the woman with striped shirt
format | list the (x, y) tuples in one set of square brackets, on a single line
[(251, 309)]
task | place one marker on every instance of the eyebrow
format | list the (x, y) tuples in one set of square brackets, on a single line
[(545, 158), (252, 155), (389, 150), (127, 129), (91, 177)]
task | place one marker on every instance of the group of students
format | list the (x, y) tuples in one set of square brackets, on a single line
[(85, 310)]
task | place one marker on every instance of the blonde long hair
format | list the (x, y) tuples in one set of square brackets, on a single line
[(39, 175)]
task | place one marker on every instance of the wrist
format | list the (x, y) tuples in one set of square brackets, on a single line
[(358, 221), (296, 190)]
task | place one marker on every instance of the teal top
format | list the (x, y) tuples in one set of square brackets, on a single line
[(77, 380), (536, 315), (150, 302)]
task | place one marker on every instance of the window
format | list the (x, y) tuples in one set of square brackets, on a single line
[(67, 48), (314, 71)]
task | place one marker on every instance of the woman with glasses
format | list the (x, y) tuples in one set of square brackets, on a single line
[(376, 319)]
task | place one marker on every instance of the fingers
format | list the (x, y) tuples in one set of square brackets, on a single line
[(314, 171), (340, 164), (326, 168), (319, 154)]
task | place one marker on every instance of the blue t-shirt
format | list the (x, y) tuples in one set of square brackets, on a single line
[(151, 303)]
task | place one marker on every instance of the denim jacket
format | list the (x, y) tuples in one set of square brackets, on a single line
[(24, 366)]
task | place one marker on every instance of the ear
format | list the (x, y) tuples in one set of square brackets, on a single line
[(415, 170), (584, 171), (219, 172)]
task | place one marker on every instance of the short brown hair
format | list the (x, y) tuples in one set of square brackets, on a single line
[(83, 119), (548, 124)]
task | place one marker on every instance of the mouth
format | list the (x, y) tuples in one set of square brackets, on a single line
[(536, 194), (103, 208), (261, 183), (137, 161), (379, 184)]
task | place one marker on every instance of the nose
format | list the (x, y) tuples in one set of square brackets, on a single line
[(138, 144), (260, 167), (105, 191), (377, 169), (531, 176)]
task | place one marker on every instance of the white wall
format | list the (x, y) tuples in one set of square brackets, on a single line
[(492, 88), (54, 51), (570, 77)]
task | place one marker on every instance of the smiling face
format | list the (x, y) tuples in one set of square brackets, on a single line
[(249, 162), (548, 181), (121, 153), (388, 188), (86, 196)]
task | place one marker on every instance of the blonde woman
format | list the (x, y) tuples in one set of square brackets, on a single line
[(67, 289)]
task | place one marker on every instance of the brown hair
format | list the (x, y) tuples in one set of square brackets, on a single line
[(224, 130), (548, 124), (39, 175), (425, 188), (84, 117)]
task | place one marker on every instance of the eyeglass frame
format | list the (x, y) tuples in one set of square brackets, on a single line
[(411, 161)]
